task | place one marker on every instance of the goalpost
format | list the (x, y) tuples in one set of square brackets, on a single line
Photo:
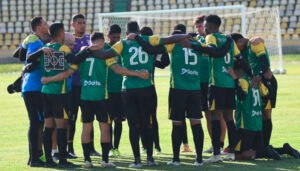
[(262, 22)]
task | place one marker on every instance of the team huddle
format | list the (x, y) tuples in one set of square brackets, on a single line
[(227, 77)]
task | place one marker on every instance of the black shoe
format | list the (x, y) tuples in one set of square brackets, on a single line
[(50, 164), (272, 153), (55, 156), (37, 163), (94, 153), (65, 164), (291, 151)]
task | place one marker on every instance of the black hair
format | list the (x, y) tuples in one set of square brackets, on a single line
[(55, 28), (132, 27), (177, 32), (96, 36), (77, 16), (236, 36), (36, 21), (214, 19), (115, 28), (180, 27), (199, 19), (146, 31)]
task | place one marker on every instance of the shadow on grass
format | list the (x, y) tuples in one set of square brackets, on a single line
[(187, 160)]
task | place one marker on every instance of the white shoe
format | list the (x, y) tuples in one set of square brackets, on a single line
[(198, 164), (110, 154), (210, 150), (173, 163), (135, 165), (214, 159), (229, 157), (108, 164), (88, 164), (151, 163)]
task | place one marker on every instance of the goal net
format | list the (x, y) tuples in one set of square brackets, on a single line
[(263, 22)]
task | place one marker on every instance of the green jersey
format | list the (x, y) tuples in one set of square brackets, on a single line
[(114, 80), (219, 75), (249, 112), (93, 77), (204, 63), (185, 67), (134, 58), (254, 52), (54, 65)]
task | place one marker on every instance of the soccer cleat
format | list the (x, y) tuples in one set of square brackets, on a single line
[(272, 153), (43, 158), (291, 151), (210, 150), (224, 151), (50, 164), (151, 161), (55, 156), (37, 163), (186, 148), (65, 164), (111, 153), (135, 165), (196, 163), (229, 157), (72, 155), (94, 153), (88, 164), (173, 163), (107, 164), (214, 159)]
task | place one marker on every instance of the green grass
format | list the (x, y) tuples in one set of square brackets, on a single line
[(14, 125)]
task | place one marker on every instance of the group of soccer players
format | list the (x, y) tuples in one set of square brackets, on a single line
[(210, 72)]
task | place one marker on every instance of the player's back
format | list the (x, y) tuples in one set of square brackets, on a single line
[(54, 65), (248, 111), (185, 67), (134, 58), (219, 66)]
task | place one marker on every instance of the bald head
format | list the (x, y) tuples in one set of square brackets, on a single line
[(69, 40)]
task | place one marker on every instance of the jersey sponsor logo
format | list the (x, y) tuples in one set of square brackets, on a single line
[(189, 72), (55, 62), (91, 83), (224, 69), (256, 113)]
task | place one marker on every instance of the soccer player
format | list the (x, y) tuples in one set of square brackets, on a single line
[(186, 148), (199, 25), (259, 61), (222, 88), (249, 122), (138, 93), (81, 39), (114, 84), (161, 61), (31, 89), (185, 91), (94, 96), (54, 97)]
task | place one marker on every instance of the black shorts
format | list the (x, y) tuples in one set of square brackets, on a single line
[(54, 105), (269, 101), (34, 106), (221, 98), (204, 96), (91, 108), (139, 105), (184, 104), (249, 140), (116, 109)]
